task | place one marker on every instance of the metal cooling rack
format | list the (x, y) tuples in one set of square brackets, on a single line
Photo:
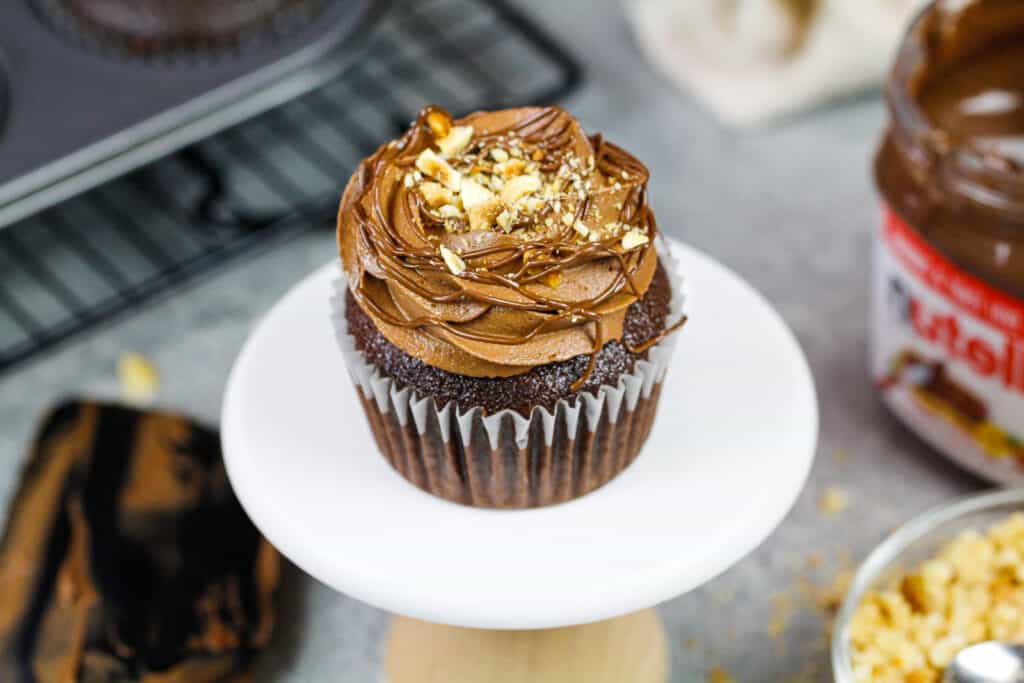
[(113, 249)]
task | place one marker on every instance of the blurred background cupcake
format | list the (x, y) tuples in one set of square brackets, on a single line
[(170, 26)]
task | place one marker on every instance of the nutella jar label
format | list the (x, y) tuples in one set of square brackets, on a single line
[(948, 349)]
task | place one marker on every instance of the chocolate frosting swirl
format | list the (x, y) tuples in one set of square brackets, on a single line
[(552, 284)]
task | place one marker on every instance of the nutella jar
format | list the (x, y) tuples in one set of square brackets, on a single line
[(948, 284)]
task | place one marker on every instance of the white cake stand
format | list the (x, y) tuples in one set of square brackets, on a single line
[(730, 451)]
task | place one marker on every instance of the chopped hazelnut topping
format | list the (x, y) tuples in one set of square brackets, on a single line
[(510, 168), (437, 168), (456, 141), (633, 239), (440, 123), (474, 194), (504, 187), (531, 205), (519, 187), (454, 262), (482, 216), (436, 195), (504, 220)]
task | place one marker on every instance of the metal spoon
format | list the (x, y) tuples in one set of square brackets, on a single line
[(990, 662)]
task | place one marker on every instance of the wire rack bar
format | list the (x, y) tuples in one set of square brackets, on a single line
[(107, 252)]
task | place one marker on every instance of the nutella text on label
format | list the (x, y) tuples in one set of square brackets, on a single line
[(947, 348)]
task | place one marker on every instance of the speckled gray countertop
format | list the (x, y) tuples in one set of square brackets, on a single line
[(790, 208)]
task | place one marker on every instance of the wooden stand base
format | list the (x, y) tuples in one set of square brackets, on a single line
[(631, 648)]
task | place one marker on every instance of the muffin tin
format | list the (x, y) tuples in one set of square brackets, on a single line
[(76, 117), (96, 37), (4, 97)]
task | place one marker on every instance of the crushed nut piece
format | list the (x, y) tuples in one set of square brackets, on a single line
[(437, 168), (440, 123), (454, 262), (456, 141), (483, 215), (499, 155), (718, 675), (474, 194), (633, 239), (581, 228), (139, 378), (504, 220), (519, 187), (436, 194), (510, 168), (834, 501)]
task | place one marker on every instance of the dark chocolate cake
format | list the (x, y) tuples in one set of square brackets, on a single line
[(162, 26), (544, 385)]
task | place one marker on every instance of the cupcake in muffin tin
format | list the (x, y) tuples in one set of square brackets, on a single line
[(506, 315), (163, 27)]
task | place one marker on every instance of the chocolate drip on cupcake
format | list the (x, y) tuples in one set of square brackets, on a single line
[(499, 243)]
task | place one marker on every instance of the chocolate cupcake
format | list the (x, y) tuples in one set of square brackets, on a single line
[(168, 26), (505, 313)]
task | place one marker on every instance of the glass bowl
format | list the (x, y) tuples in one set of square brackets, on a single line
[(907, 547)]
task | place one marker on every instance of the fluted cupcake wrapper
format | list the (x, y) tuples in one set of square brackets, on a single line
[(506, 460)]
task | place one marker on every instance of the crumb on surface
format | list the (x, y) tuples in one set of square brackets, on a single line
[(834, 501), (719, 675), (138, 378), (782, 609)]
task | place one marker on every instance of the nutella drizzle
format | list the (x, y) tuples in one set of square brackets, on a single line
[(538, 258)]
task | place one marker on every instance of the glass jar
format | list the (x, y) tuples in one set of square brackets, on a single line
[(948, 283), (915, 542)]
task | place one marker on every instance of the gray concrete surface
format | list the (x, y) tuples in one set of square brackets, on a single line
[(791, 208)]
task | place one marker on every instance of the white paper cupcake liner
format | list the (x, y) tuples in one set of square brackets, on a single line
[(505, 459)]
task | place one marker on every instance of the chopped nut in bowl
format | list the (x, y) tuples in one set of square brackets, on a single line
[(951, 578)]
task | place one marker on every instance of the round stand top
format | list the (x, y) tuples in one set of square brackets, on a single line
[(730, 451)]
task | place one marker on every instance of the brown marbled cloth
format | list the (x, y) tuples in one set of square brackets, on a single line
[(126, 556)]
